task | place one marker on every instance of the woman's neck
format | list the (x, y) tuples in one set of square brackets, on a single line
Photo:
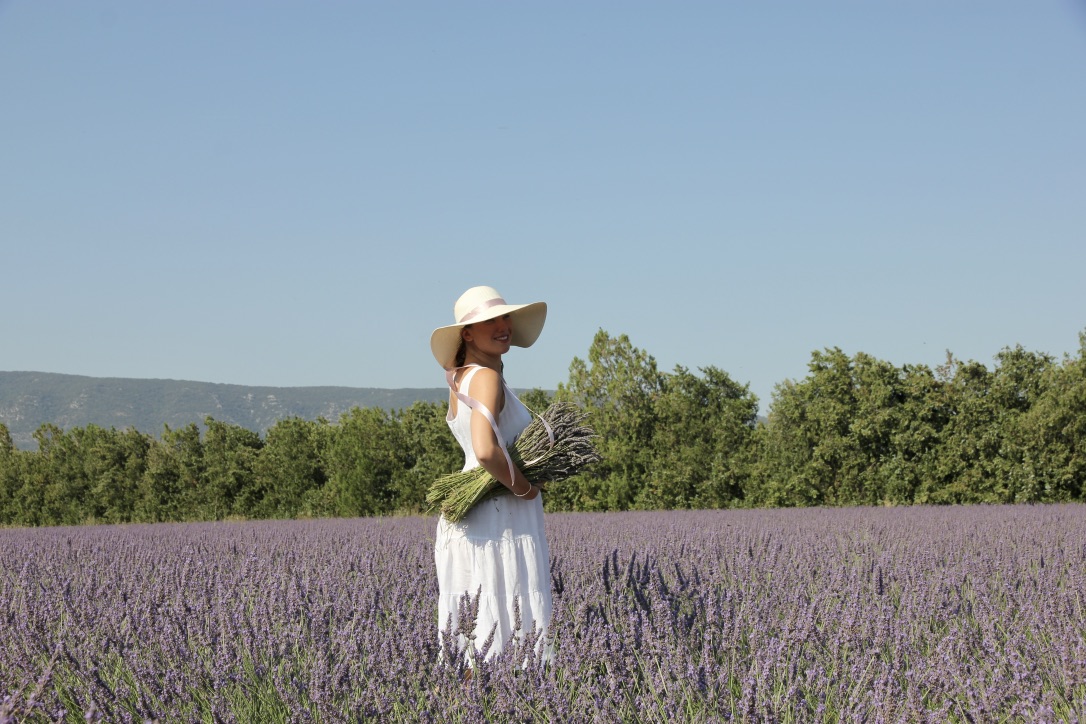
[(494, 362)]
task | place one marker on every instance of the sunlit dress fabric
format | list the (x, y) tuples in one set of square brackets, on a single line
[(499, 550)]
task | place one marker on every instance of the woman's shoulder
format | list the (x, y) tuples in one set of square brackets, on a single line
[(470, 374), (485, 380), (486, 386)]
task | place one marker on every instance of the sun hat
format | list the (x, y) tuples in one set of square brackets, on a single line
[(479, 304)]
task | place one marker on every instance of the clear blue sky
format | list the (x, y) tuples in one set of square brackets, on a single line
[(294, 193)]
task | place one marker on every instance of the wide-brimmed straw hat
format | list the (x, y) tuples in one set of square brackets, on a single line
[(479, 304)]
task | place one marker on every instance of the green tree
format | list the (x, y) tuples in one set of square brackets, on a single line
[(113, 464), (230, 487), (702, 442), (365, 456), (291, 468), (9, 476), (1049, 438), (842, 435), (27, 505), (536, 400), (63, 487), (618, 387), (923, 414), (429, 451), (968, 467), (880, 398), (172, 486), (804, 451)]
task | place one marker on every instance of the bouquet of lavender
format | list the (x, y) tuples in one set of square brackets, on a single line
[(532, 452)]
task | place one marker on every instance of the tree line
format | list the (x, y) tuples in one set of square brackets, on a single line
[(855, 431)]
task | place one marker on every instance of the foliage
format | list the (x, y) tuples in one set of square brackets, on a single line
[(290, 469), (703, 430), (855, 431), (618, 386), (431, 452), (1048, 440)]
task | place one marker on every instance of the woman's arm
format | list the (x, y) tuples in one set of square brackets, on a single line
[(487, 388)]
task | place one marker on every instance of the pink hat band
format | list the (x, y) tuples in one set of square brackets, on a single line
[(496, 302)]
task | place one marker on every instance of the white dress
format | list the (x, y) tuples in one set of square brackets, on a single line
[(498, 550)]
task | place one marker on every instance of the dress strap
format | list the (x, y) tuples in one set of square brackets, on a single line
[(474, 404)]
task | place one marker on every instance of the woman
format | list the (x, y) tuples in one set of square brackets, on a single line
[(498, 552)]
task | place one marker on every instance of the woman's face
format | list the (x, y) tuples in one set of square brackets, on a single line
[(490, 337)]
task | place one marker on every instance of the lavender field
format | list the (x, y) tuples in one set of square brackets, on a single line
[(972, 614)]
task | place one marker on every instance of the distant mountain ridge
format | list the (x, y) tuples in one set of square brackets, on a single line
[(31, 399)]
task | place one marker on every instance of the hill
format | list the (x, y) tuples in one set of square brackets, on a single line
[(30, 399)]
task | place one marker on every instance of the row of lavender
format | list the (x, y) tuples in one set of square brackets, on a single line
[(903, 614)]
